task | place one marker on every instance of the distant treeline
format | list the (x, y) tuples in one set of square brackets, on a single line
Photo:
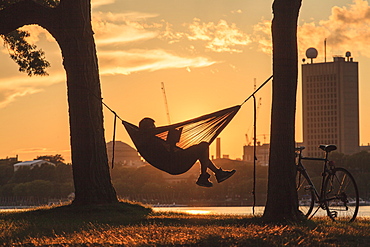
[(40, 181), (149, 185)]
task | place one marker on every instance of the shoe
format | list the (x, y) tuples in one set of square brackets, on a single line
[(203, 180), (223, 175)]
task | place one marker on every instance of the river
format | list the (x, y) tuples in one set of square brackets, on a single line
[(363, 212), (242, 210)]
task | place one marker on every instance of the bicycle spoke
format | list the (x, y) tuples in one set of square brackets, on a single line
[(341, 196)]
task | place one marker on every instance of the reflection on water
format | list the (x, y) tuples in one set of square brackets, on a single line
[(212, 210), (363, 212), (197, 211)]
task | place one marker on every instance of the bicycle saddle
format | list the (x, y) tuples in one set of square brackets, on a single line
[(328, 148)]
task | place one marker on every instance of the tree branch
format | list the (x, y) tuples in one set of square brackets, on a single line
[(26, 12)]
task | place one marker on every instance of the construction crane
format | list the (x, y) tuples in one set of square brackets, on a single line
[(259, 103), (249, 142), (165, 103)]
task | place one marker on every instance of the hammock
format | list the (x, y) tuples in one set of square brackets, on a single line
[(185, 134), (194, 131)]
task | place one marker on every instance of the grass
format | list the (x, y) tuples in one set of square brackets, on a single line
[(133, 225)]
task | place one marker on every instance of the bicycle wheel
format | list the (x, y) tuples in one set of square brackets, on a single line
[(306, 195), (341, 196)]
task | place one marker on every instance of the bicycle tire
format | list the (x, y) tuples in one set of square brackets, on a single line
[(306, 195), (341, 196)]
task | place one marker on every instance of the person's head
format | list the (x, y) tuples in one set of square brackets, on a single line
[(146, 123)]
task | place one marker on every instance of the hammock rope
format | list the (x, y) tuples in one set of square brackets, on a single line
[(262, 85), (114, 137)]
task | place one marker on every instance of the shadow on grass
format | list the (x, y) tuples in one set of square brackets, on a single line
[(170, 218), (49, 221)]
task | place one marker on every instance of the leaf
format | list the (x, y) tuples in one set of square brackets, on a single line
[(27, 56)]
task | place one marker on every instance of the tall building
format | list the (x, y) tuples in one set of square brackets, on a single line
[(330, 104)]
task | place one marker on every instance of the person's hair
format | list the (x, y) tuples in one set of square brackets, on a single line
[(146, 123)]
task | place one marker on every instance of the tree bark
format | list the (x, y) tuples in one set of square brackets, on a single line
[(282, 200), (70, 24)]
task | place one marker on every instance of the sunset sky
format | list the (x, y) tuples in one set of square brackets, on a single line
[(208, 53)]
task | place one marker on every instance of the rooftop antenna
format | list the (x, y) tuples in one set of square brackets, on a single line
[(325, 49), (165, 103), (311, 53), (348, 55)]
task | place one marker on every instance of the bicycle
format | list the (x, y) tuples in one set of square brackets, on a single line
[(338, 194)]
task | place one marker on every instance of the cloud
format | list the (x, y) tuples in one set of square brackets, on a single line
[(30, 150), (127, 62), (122, 28), (218, 37), (110, 33), (239, 11), (10, 95), (347, 28), (11, 88), (98, 3), (262, 36), (122, 17)]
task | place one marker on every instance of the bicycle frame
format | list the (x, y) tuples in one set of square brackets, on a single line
[(326, 171), (337, 188)]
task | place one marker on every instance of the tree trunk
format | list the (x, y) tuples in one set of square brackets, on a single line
[(70, 25), (282, 200)]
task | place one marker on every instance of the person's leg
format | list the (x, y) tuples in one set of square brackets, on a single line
[(201, 151), (220, 174), (205, 163)]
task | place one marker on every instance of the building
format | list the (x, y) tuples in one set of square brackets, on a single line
[(330, 104), (262, 153), (9, 160), (124, 154), (31, 164)]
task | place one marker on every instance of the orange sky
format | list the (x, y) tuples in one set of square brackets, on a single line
[(207, 53)]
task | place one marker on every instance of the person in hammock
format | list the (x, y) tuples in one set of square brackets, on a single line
[(166, 156)]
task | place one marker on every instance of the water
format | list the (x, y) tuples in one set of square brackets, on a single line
[(364, 211), (212, 210)]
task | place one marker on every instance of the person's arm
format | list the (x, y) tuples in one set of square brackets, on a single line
[(155, 131), (173, 136)]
